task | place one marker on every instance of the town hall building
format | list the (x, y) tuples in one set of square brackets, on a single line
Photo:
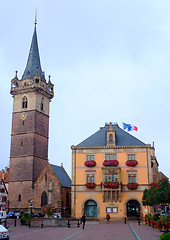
[(110, 171)]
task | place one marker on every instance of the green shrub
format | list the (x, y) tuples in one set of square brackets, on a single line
[(149, 216), (25, 218), (155, 217), (166, 236)]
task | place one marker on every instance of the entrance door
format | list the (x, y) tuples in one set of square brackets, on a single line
[(90, 208), (133, 208)]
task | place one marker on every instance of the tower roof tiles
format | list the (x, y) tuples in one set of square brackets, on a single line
[(33, 63)]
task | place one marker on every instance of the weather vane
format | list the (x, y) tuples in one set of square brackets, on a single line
[(35, 17)]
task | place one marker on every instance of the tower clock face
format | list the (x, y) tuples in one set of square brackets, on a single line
[(23, 116)]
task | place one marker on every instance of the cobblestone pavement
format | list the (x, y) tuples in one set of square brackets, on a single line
[(92, 231)]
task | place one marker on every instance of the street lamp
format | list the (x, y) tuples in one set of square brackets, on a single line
[(31, 207)]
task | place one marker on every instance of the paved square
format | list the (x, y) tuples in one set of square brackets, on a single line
[(92, 231)]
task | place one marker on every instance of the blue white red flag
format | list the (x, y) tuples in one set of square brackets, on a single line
[(129, 127)]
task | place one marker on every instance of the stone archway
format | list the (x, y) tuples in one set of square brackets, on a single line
[(90, 208), (133, 208), (43, 199)]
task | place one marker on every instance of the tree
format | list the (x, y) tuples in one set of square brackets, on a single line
[(144, 201), (149, 197), (163, 193)]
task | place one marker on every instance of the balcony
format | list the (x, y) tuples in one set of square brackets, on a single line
[(111, 185)]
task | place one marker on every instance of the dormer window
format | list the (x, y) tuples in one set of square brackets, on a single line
[(37, 80), (24, 102), (110, 138)]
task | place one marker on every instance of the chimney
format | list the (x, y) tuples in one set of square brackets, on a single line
[(62, 165), (6, 169)]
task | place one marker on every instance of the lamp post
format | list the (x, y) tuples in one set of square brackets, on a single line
[(31, 207)]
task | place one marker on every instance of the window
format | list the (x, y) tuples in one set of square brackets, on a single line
[(90, 178), (110, 138), (22, 144), (46, 177), (42, 104), (131, 157), (110, 157), (111, 177), (132, 178), (90, 157), (23, 123), (24, 102), (19, 198)]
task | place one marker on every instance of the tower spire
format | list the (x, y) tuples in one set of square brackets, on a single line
[(33, 58)]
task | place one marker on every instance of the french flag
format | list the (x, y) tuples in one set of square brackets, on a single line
[(129, 127)]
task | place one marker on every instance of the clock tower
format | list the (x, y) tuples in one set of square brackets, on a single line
[(30, 128)]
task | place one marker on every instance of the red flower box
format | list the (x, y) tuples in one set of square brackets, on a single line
[(90, 163), (107, 163), (111, 184), (90, 185), (132, 186), (131, 163)]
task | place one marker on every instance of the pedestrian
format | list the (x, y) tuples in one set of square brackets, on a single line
[(108, 217), (83, 220)]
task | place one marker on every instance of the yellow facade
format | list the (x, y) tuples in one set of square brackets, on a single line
[(99, 201)]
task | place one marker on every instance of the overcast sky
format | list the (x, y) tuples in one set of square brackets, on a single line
[(109, 61)]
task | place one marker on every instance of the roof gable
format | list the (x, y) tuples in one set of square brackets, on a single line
[(123, 138)]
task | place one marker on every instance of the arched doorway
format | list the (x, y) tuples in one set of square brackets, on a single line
[(133, 208), (43, 199), (90, 208)]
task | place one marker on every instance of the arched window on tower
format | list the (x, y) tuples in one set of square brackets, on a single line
[(110, 138), (42, 104), (19, 198), (24, 102)]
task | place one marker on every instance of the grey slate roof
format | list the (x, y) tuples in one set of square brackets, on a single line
[(62, 175), (33, 59), (123, 138)]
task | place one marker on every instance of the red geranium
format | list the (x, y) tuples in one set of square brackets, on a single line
[(90, 185), (91, 163), (132, 186), (131, 163), (155, 184), (107, 163), (111, 184)]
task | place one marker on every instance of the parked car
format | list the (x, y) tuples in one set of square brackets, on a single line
[(57, 215), (4, 234), (11, 214), (38, 215)]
